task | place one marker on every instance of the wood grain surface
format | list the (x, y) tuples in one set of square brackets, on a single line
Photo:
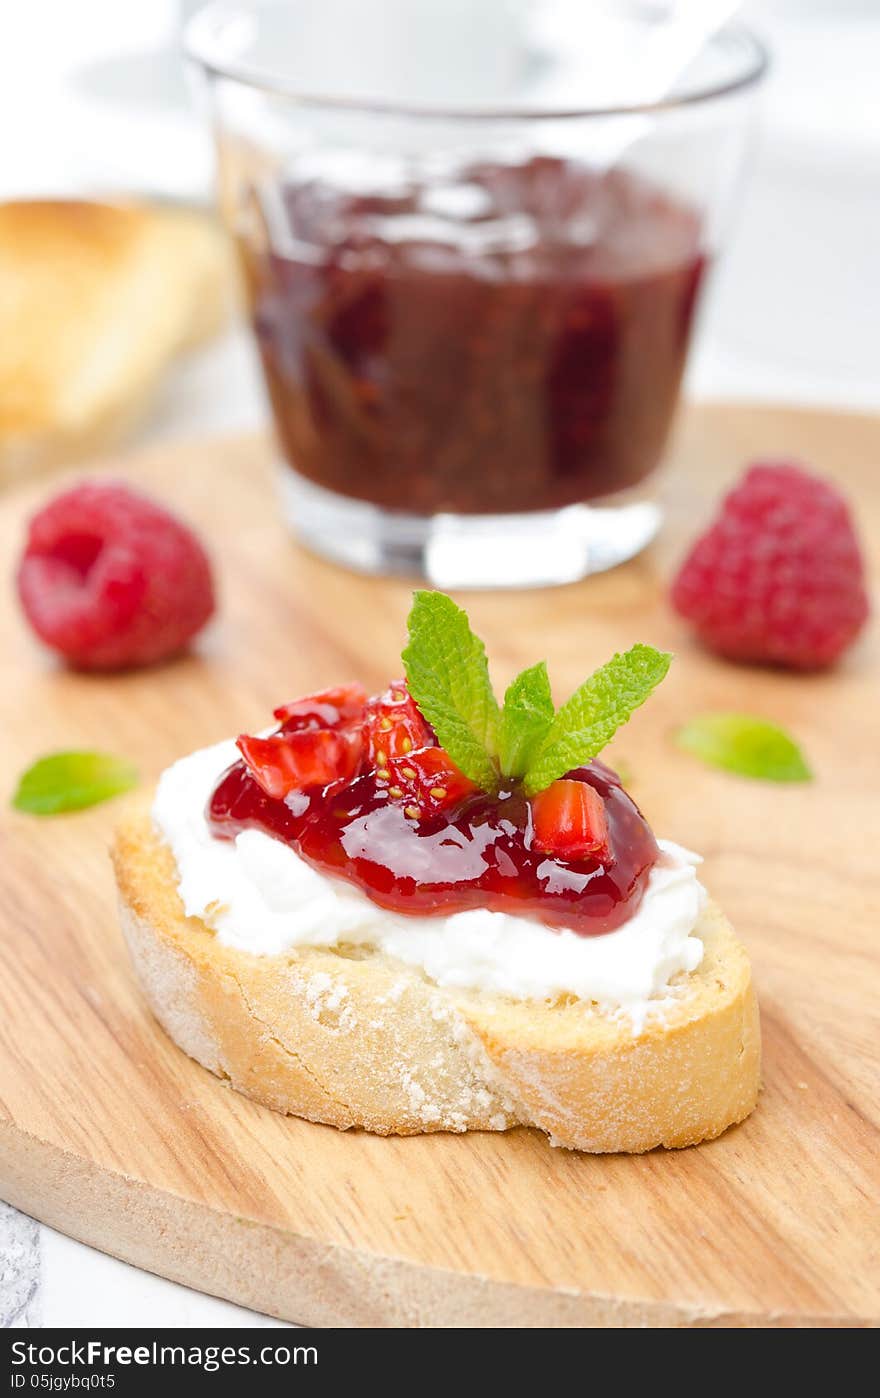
[(108, 1132)]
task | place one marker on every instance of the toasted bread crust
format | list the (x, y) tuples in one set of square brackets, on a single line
[(354, 1039), (96, 300)]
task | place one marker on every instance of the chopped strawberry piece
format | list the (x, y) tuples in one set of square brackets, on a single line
[(393, 726), (328, 708), (288, 762), (569, 821), (425, 782)]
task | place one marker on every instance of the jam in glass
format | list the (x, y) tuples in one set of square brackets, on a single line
[(507, 338)]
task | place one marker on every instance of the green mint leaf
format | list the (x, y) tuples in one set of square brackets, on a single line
[(448, 677), (525, 719), (593, 714), (69, 781), (744, 744)]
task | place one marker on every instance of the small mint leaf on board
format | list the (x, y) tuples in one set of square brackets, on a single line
[(744, 744), (448, 677), (525, 719), (593, 714), (70, 781)]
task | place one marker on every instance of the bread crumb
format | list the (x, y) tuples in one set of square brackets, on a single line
[(393, 994), (326, 1000)]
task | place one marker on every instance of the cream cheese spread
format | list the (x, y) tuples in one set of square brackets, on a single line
[(258, 895)]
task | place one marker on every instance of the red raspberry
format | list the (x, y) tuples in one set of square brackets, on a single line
[(779, 576), (112, 580)]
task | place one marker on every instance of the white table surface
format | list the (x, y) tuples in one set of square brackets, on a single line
[(793, 314)]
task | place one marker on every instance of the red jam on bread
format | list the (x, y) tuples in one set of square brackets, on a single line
[(362, 790)]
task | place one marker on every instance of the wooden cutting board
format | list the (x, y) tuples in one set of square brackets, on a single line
[(109, 1133)]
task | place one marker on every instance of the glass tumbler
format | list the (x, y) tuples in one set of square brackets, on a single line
[(474, 238)]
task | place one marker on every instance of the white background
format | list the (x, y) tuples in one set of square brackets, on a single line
[(91, 99)]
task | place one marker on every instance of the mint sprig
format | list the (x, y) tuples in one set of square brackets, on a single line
[(448, 677), (70, 781), (744, 744), (526, 720), (593, 714), (527, 740)]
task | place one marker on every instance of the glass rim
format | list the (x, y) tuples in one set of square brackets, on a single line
[(201, 46)]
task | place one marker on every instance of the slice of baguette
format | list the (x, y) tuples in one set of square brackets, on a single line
[(95, 301), (355, 1039)]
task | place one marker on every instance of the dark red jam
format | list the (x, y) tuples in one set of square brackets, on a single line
[(478, 855), (511, 340)]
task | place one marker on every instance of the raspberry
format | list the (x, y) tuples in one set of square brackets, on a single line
[(111, 580), (779, 576)]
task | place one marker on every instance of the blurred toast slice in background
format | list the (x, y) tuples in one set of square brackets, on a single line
[(95, 301)]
